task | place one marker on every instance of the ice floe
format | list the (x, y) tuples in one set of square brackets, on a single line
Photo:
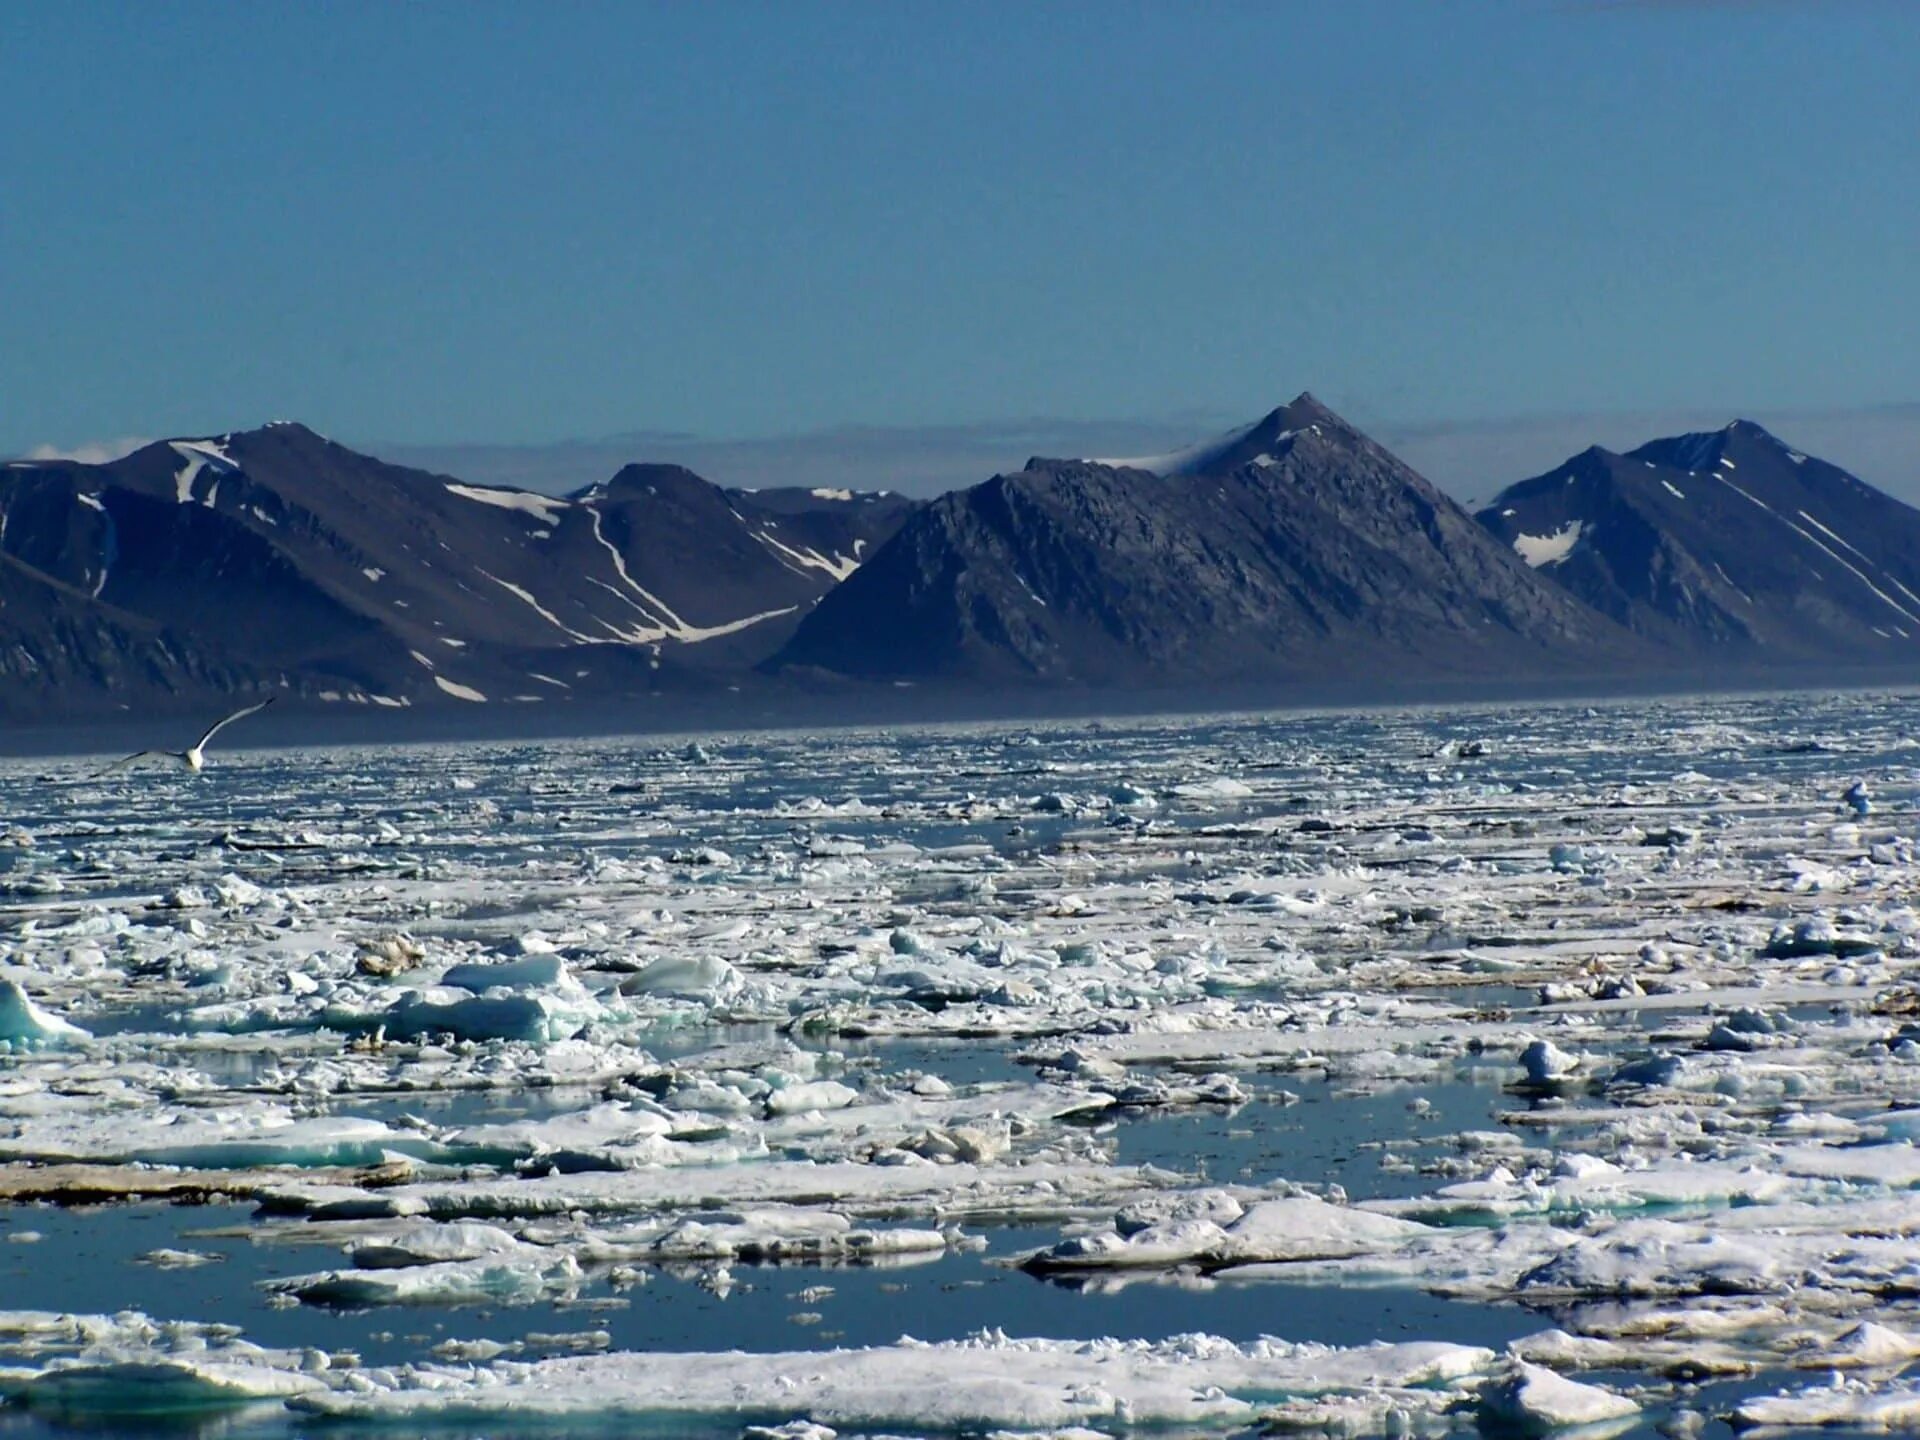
[(1611, 1013)]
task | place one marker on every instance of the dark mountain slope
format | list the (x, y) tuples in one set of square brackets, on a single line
[(1730, 542), (63, 651), (280, 550), (1295, 548)]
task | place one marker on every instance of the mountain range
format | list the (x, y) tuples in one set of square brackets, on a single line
[(274, 558), (1729, 542), (1292, 551)]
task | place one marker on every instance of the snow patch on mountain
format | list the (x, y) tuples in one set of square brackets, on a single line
[(1539, 550), (546, 508), (198, 455), (459, 691), (838, 566)]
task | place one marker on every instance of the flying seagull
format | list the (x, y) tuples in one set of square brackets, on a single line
[(194, 757)]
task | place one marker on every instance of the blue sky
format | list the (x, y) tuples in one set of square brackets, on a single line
[(489, 224)]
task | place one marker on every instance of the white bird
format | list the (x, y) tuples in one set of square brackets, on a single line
[(194, 757)]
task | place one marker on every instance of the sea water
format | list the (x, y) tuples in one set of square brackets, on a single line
[(967, 994)]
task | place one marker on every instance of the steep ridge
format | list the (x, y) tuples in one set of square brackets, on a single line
[(63, 651), (1294, 548), (1728, 541), (280, 551), (741, 567)]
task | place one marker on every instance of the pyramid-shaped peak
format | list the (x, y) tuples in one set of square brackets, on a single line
[(1302, 418), (1704, 449), (1303, 412), (1593, 470), (1306, 409), (1264, 440), (284, 432)]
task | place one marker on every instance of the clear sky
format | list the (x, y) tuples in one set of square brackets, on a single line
[(475, 222)]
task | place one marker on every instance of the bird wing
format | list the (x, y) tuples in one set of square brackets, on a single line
[(219, 725), (122, 764)]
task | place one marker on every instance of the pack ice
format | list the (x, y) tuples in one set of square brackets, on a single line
[(1600, 1025)]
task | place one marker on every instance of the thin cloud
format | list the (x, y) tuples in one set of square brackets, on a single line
[(914, 460), (1469, 459), (89, 452)]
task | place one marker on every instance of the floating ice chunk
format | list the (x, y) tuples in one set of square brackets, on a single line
[(1660, 1258), (1583, 1167), (1895, 1165), (1083, 1065), (169, 1259), (811, 1095), (238, 1137), (1809, 877), (1870, 1346), (1535, 1401), (785, 1233), (686, 977), (546, 971), (1570, 859), (388, 955), (496, 1015), (109, 1388), (704, 856), (1849, 1404), (1818, 936), (474, 1351), (1219, 1206), (1220, 788), (1747, 1029), (235, 893), (1545, 1062), (1653, 1071), (25, 1026), (498, 1280), (1858, 798), (1670, 837), (807, 1430), (1294, 1228), (1031, 1190), (431, 1243), (1218, 1088), (1170, 1243), (958, 1386), (968, 1144)]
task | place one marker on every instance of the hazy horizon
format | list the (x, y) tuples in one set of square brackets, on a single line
[(1469, 459)]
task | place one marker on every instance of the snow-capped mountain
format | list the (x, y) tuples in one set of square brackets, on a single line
[(275, 556), (1291, 548), (1729, 540)]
